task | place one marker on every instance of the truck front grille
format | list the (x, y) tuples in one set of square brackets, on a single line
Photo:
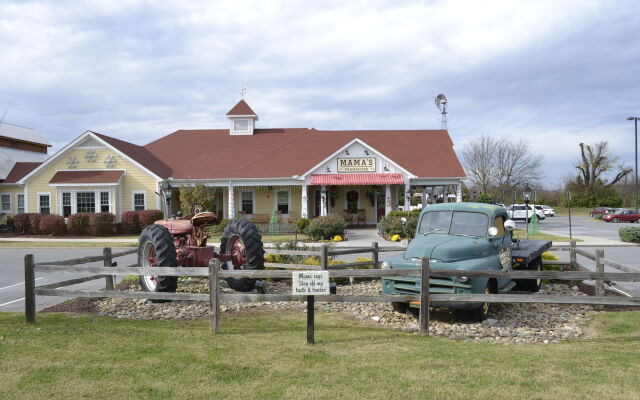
[(412, 286)]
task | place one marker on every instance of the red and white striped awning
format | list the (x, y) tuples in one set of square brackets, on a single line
[(356, 179)]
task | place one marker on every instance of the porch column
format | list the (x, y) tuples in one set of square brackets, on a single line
[(424, 197), (407, 197), (323, 201), (231, 202), (445, 193), (459, 193), (387, 199), (304, 211)]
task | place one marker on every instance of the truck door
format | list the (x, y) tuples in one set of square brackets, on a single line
[(502, 245)]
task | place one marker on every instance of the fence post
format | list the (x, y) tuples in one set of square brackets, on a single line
[(324, 265), (29, 289), (424, 297), (374, 255), (572, 254), (108, 263), (310, 319), (214, 304), (599, 269)]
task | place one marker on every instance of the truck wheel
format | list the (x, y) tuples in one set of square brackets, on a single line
[(156, 248), (399, 307), (242, 240), (480, 314)]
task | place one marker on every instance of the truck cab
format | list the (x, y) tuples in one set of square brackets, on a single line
[(464, 236)]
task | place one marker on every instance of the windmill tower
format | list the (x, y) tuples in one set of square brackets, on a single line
[(441, 103)]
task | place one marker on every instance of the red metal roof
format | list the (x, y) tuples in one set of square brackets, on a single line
[(356, 179), (20, 170), (242, 108), (87, 177)]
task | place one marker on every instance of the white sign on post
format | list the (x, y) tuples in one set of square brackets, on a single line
[(310, 282)]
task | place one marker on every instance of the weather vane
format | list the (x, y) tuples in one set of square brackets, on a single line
[(243, 90)]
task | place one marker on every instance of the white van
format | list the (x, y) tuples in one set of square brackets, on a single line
[(519, 211)]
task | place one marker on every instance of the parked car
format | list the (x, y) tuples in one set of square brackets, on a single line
[(622, 216), (600, 211), (548, 211), (519, 211)]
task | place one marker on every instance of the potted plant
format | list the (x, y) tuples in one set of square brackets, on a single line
[(374, 192), (333, 195)]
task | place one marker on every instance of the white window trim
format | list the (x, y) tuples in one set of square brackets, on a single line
[(10, 203), (133, 198), (38, 201), (288, 199), (253, 200), (18, 203), (346, 202)]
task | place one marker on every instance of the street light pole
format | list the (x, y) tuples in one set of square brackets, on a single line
[(635, 120)]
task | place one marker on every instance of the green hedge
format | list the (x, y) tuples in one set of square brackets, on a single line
[(391, 224), (325, 228), (630, 234)]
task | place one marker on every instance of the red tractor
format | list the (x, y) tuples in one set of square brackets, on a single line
[(182, 242)]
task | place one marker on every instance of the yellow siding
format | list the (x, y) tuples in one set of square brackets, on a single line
[(11, 190), (135, 179)]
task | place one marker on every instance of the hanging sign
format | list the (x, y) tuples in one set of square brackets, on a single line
[(360, 164), (310, 282)]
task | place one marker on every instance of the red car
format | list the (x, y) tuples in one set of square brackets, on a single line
[(622, 216), (601, 210)]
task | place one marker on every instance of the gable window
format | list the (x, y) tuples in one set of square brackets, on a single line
[(104, 201), (241, 125), (86, 202), (246, 202), (44, 203), (20, 203), (66, 204), (282, 201), (5, 202), (139, 201)]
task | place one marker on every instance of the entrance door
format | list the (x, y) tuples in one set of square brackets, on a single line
[(316, 202), (380, 206)]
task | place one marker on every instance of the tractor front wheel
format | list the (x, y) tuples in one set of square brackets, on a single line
[(243, 242), (156, 248)]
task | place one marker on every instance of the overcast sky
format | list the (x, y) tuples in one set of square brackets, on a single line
[(553, 73)]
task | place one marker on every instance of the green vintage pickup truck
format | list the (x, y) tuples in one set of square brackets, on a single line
[(465, 236)]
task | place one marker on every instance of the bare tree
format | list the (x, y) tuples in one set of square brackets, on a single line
[(515, 164), (498, 162), (477, 159), (595, 162)]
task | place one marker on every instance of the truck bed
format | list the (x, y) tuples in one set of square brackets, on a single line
[(529, 249)]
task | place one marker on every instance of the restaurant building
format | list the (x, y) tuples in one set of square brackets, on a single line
[(256, 172)]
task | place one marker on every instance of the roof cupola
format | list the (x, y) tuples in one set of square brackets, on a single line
[(242, 119)]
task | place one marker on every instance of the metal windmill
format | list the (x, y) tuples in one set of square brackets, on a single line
[(441, 103)]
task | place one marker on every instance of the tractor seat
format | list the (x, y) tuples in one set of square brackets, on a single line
[(177, 227)]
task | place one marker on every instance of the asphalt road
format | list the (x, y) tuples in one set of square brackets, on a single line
[(580, 226), (12, 274)]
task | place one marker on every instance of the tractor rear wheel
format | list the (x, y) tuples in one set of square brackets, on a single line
[(156, 248), (242, 240)]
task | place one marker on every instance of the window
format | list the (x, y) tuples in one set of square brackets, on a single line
[(66, 204), (454, 223), (20, 202), (352, 201), (104, 201), (241, 125), (44, 202), (246, 205), (86, 202), (282, 202), (139, 201), (5, 202)]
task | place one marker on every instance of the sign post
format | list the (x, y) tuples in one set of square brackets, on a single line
[(311, 284)]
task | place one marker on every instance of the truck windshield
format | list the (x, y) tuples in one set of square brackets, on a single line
[(454, 223)]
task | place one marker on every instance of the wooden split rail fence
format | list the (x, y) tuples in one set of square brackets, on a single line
[(216, 296)]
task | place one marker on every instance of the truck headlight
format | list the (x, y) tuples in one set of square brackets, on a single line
[(385, 265), (463, 279)]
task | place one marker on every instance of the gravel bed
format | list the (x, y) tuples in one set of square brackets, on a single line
[(508, 323)]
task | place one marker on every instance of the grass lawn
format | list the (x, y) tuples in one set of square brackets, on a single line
[(564, 211), (264, 356), (522, 234)]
